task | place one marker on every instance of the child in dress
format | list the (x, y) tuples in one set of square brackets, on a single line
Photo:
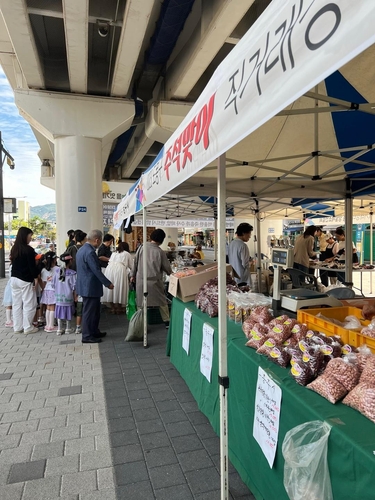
[(7, 303), (48, 295), (64, 283)]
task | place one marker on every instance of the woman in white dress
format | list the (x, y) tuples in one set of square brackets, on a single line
[(119, 266)]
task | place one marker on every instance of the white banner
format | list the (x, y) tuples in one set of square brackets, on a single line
[(292, 47), (183, 223)]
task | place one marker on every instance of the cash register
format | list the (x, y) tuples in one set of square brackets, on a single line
[(296, 298)]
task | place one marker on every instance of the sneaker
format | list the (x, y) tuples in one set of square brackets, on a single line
[(50, 329), (69, 330), (60, 332), (78, 330), (32, 330), (18, 331), (9, 324), (166, 324)]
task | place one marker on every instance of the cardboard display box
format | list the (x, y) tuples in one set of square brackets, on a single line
[(187, 288)]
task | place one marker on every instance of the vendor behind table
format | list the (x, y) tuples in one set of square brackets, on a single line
[(328, 255), (304, 249), (340, 236), (239, 255)]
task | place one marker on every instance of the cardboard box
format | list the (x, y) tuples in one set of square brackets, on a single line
[(187, 288)]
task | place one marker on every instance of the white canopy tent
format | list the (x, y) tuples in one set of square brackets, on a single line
[(292, 48)]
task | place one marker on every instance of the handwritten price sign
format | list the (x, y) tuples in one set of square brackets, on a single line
[(207, 351), (267, 415)]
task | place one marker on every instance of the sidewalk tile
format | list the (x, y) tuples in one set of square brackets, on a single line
[(42, 489), (96, 460), (79, 482), (132, 472), (26, 471), (137, 491), (106, 480), (62, 465), (160, 456), (50, 450), (181, 492), (167, 475)]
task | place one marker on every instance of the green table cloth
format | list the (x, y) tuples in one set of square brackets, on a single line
[(351, 444)]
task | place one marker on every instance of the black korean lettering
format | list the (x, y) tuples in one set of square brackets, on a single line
[(234, 89), (269, 66), (331, 7), (288, 35)]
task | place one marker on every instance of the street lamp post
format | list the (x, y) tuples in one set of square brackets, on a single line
[(10, 162)]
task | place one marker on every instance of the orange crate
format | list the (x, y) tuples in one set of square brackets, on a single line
[(309, 317)]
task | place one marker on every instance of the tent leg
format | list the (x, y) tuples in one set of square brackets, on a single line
[(145, 292), (223, 365), (348, 238), (259, 253), (371, 246)]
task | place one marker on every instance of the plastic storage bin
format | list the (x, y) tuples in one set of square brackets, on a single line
[(309, 317)]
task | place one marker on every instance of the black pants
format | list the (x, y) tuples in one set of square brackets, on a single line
[(90, 317)]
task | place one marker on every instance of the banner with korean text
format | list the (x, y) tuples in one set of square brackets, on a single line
[(293, 46)]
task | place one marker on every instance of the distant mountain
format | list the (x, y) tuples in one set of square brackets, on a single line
[(45, 212)]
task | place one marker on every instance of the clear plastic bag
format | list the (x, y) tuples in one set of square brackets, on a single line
[(306, 473)]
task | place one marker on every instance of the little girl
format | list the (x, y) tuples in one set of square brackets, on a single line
[(48, 295), (64, 283), (7, 303)]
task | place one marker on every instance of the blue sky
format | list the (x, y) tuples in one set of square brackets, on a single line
[(18, 139)]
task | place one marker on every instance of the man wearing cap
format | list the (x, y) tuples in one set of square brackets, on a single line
[(238, 253), (90, 282)]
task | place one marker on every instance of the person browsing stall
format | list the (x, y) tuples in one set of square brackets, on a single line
[(104, 251), (238, 253), (157, 263), (90, 281)]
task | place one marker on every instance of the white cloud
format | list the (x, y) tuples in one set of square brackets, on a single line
[(19, 141)]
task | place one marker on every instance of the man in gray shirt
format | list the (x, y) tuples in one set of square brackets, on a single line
[(238, 253)]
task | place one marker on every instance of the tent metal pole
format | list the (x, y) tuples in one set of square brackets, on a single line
[(349, 239), (259, 253), (371, 246), (144, 263), (316, 138), (223, 365), (216, 241)]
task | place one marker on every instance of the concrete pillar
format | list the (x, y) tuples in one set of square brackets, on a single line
[(82, 129), (79, 192)]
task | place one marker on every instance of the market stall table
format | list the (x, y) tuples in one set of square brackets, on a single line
[(351, 444), (360, 270)]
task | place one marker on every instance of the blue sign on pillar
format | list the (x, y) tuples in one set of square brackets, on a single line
[(82, 209)]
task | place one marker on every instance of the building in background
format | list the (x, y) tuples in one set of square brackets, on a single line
[(23, 211)]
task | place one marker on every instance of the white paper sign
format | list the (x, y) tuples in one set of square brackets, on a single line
[(186, 332), (207, 351), (267, 415)]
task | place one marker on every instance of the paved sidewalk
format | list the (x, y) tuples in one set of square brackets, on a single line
[(110, 421)]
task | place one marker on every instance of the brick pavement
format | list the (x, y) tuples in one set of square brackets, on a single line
[(110, 421)]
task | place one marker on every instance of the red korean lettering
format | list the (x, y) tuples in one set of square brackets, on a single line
[(204, 119), (168, 162), (176, 153)]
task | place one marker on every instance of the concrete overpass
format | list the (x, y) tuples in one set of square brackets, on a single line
[(104, 83)]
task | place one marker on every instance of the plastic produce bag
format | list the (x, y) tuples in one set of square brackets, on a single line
[(131, 306), (306, 473), (135, 330)]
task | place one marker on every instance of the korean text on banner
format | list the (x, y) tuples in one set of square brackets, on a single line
[(293, 46)]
